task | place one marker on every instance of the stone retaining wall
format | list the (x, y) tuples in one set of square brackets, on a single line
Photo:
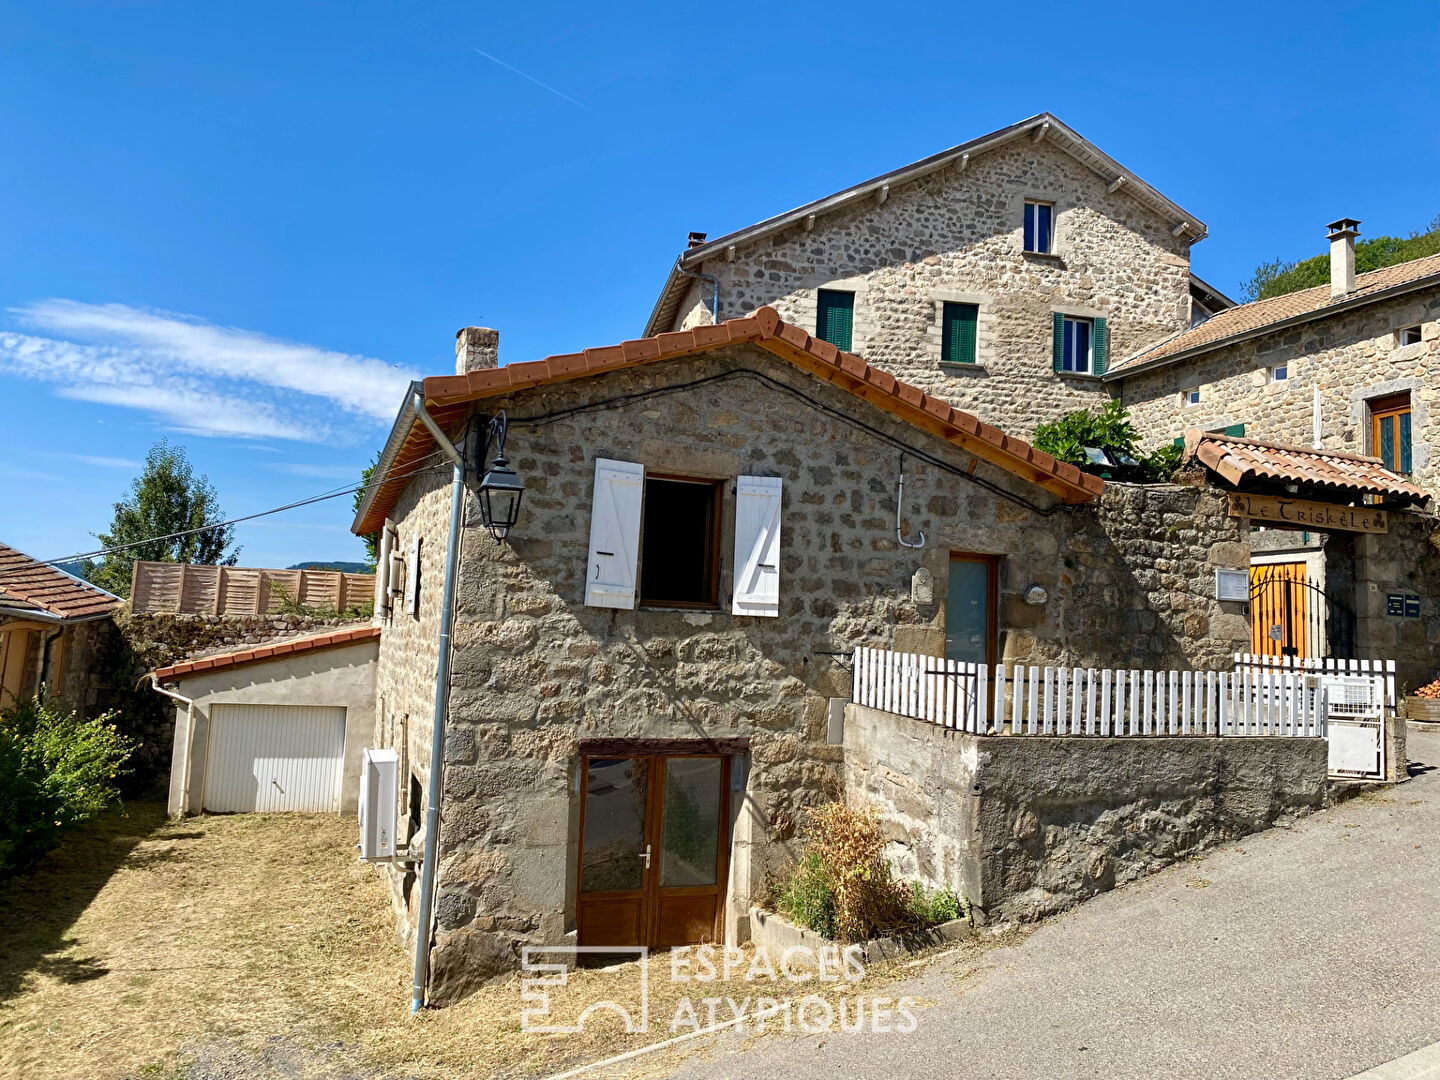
[(1026, 826)]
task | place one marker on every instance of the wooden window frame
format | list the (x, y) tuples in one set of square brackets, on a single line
[(1391, 406), (1049, 248), (712, 564), (992, 598), (1089, 323)]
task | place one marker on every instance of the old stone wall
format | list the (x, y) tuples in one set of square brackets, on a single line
[(958, 236), (535, 670), (1026, 826), (406, 666), (1404, 561), (1353, 358)]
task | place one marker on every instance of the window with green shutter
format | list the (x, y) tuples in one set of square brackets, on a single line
[(1099, 346), (1058, 341), (957, 341), (835, 317)]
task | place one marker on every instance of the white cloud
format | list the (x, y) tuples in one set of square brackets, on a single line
[(197, 377), (323, 472), (101, 462)]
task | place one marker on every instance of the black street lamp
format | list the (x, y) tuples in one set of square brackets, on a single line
[(501, 489)]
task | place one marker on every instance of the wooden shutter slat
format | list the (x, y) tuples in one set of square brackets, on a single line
[(1099, 346), (1058, 342)]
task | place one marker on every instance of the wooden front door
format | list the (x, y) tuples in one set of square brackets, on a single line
[(654, 849)]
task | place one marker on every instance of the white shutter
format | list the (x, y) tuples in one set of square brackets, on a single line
[(614, 534), (412, 579), (757, 546)]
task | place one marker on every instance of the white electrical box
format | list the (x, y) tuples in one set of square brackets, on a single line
[(379, 803), (1232, 585)]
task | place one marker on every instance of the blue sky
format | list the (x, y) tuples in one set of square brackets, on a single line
[(245, 226)]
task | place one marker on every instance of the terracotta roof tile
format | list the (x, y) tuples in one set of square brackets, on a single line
[(267, 652), (1238, 460), (51, 591), (1245, 319), (449, 397)]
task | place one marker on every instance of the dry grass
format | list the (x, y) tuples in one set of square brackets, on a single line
[(252, 945)]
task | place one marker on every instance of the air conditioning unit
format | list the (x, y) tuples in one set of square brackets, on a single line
[(379, 803)]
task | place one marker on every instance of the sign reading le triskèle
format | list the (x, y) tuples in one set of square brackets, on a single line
[(1298, 513)]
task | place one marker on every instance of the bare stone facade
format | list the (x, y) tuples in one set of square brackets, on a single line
[(957, 236), (1354, 358), (1129, 579)]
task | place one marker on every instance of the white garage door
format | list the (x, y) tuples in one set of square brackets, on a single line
[(275, 757)]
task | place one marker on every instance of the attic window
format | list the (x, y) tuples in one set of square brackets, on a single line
[(1191, 396), (1039, 227), (680, 543), (1409, 335), (1280, 373), (835, 317)]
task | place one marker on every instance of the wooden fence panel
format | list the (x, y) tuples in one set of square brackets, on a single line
[(182, 588)]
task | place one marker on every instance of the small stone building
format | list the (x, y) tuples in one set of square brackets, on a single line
[(650, 666), (52, 627)]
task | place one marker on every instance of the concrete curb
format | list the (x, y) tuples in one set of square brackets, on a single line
[(776, 932)]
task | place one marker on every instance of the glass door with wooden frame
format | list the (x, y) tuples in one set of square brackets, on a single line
[(654, 849), (972, 599)]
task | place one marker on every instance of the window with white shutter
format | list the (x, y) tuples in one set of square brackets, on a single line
[(614, 534), (757, 546)]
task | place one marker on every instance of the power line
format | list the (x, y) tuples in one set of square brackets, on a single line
[(251, 517)]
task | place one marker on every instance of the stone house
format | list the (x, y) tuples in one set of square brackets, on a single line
[(714, 519), (1350, 366), (1001, 275), (52, 628)]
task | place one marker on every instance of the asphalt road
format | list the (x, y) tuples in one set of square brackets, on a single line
[(1311, 952)]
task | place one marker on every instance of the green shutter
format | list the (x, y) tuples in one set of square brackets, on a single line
[(957, 343), (835, 317), (1180, 442), (1403, 420), (1058, 341), (1235, 431), (1098, 343)]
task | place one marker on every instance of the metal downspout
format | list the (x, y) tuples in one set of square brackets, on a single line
[(189, 739), (442, 695)]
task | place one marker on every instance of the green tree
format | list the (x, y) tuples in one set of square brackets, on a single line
[(1276, 278), (370, 540), (168, 497)]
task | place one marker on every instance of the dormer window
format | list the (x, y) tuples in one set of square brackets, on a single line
[(1039, 227)]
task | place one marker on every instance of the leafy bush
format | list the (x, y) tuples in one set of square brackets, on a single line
[(1110, 430), (56, 771), (842, 887)]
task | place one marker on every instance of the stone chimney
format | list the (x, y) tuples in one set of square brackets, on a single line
[(1342, 255), (694, 240), (477, 348)]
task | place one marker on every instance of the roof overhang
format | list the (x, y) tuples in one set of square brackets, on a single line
[(448, 398), (1338, 308), (1044, 126), (1253, 464)]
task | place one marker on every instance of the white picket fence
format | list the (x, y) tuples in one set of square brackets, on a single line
[(1327, 665), (1034, 700)]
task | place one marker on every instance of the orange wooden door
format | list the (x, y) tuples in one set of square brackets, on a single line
[(1279, 608), (654, 850)]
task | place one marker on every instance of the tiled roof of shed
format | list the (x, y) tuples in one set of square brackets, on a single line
[(447, 397), (269, 652), (1249, 319), (1238, 460), (48, 591)]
